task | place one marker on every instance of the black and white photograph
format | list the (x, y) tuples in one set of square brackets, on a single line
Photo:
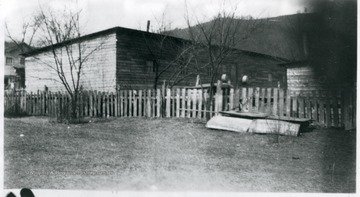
[(178, 97)]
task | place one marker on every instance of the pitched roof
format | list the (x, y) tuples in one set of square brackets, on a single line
[(122, 30), (11, 46)]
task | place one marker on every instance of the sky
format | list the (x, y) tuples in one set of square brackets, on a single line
[(103, 14)]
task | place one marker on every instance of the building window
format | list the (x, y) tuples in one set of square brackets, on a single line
[(150, 66), (9, 60), (270, 77), (22, 60)]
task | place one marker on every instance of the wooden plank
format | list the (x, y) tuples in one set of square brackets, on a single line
[(108, 104), (301, 107), (307, 107), (206, 100), (262, 102), (244, 100), (135, 104), (112, 104), (96, 109), (268, 100), (193, 114), (177, 102), (315, 107), (126, 103), (257, 97), (183, 100), (140, 103), (148, 103), (103, 100), (294, 108), (81, 104), (121, 103), (168, 97), (321, 110), (91, 104), (158, 103), (236, 99), (188, 100), (130, 102), (336, 109), (153, 104), (328, 111), (275, 106), (250, 99), (353, 118), (231, 99), (200, 99), (218, 98), (173, 102), (288, 104), (345, 107), (225, 105)]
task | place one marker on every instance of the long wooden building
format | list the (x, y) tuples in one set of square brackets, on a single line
[(127, 59)]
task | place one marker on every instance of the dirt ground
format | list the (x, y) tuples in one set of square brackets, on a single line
[(174, 155)]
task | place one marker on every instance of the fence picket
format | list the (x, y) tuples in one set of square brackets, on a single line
[(177, 102), (328, 111), (321, 110), (262, 102), (257, 94), (168, 101), (149, 103), (301, 107), (326, 108), (288, 104), (275, 107), (281, 102), (250, 99), (188, 100), (200, 99), (193, 114), (158, 102), (268, 101)]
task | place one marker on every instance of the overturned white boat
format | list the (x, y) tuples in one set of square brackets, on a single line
[(257, 123)]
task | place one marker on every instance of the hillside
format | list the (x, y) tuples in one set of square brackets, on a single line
[(279, 36)]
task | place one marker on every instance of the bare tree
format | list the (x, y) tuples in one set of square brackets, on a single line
[(216, 42), (172, 56), (28, 32), (60, 32)]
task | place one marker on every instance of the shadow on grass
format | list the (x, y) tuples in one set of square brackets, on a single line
[(339, 161)]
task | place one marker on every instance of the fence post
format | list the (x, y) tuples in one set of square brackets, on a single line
[(218, 98), (168, 97), (140, 103), (288, 103), (328, 110), (183, 102), (276, 105), (194, 103), (177, 102), (149, 103), (200, 97), (159, 101), (231, 99), (188, 100)]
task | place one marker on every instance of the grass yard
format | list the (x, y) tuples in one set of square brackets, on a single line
[(173, 155)]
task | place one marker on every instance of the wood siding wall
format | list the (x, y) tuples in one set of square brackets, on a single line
[(134, 64), (303, 79), (98, 71)]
